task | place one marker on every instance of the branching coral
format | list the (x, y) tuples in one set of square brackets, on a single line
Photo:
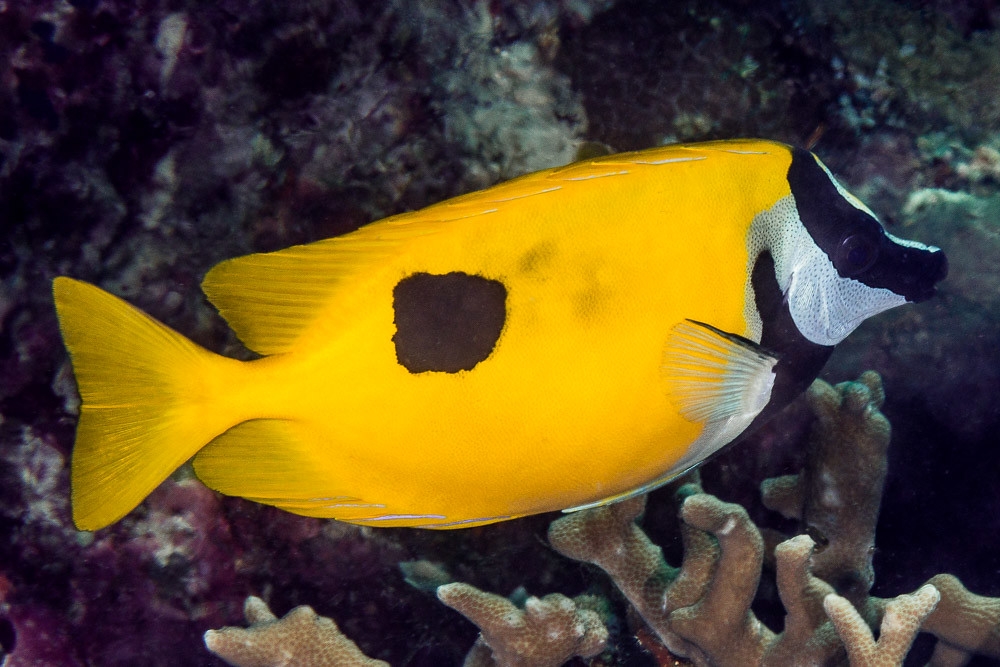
[(702, 611), (546, 633), (300, 638), (837, 495), (900, 624), (964, 623)]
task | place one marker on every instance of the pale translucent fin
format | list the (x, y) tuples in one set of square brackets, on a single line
[(716, 378), (274, 462), (713, 375), (270, 299), (144, 405)]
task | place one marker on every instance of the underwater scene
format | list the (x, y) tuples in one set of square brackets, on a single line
[(722, 277)]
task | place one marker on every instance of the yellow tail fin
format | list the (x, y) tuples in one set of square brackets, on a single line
[(147, 401)]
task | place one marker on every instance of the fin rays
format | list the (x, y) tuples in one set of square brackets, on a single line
[(714, 375), (270, 299), (143, 411)]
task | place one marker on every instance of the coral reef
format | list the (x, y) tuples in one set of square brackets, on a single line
[(699, 70), (140, 143), (903, 74)]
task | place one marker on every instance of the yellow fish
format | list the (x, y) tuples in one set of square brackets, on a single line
[(565, 339)]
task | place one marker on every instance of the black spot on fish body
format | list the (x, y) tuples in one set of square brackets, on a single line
[(447, 323)]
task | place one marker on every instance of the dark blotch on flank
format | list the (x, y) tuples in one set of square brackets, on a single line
[(447, 323)]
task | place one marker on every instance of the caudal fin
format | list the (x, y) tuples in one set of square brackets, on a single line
[(146, 401)]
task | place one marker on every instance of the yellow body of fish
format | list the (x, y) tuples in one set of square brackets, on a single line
[(600, 262)]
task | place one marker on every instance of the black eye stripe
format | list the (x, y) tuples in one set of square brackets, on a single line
[(829, 218), (826, 214), (856, 254)]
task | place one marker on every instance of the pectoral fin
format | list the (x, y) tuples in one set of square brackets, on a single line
[(715, 376)]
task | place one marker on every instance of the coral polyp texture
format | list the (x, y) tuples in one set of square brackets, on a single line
[(299, 638), (545, 633)]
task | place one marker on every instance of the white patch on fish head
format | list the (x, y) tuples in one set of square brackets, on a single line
[(834, 263), (825, 306)]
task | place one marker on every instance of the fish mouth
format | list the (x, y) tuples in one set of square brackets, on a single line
[(935, 271)]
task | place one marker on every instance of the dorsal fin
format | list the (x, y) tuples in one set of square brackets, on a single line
[(270, 299)]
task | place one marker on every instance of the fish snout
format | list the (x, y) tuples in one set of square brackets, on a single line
[(929, 268)]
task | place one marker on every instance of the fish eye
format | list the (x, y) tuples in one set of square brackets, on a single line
[(856, 254)]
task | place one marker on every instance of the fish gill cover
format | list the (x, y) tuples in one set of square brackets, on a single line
[(140, 144)]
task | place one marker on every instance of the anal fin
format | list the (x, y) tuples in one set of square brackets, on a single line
[(275, 462)]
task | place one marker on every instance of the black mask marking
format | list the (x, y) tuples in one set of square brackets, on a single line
[(855, 241), (447, 323), (799, 359)]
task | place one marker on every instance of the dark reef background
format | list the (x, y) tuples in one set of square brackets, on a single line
[(141, 142)]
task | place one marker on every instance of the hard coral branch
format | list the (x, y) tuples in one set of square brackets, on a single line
[(807, 638), (608, 537), (837, 495), (963, 622), (546, 633), (721, 623), (900, 624), (702, 611), (300, 638)]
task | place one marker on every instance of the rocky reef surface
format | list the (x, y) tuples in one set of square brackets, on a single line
[(141, 143)]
